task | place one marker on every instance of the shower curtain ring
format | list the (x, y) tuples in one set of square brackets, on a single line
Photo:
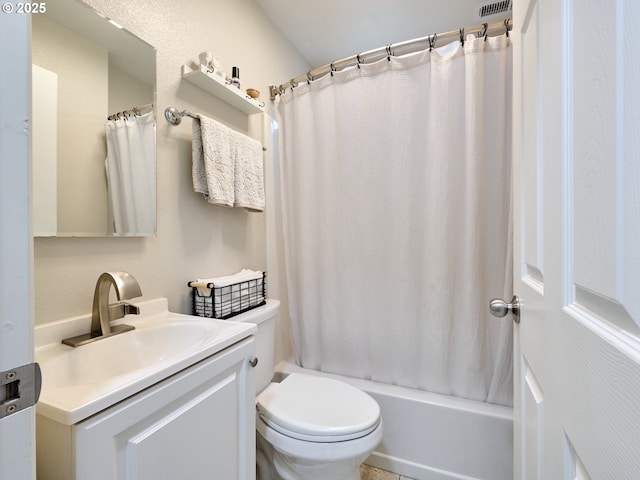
[(462, 36), (333, 69), (484, 32), (359, 60), (506, 27), (389, 52), (432, 41)]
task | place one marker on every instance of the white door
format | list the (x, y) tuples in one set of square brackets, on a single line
[(577, 239), (17, 431)]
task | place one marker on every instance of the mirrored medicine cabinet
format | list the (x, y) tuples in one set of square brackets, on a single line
[(85, 69)]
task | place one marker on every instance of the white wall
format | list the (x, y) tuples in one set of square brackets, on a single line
[(194, 238)]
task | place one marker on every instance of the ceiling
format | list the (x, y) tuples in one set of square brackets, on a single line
[(329, 30)]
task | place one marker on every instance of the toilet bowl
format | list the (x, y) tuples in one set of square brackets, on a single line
[(307, 427), (315, 428)]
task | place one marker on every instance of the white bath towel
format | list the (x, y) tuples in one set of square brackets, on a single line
[(227, 166), (213, 161)]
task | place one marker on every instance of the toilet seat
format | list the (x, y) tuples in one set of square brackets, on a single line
[(317, 409)]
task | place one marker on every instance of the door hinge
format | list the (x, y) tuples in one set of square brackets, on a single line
[(19, 388)]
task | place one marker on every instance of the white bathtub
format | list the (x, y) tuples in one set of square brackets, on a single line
[(435, 437)]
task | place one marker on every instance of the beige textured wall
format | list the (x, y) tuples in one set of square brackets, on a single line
[(194, 238)]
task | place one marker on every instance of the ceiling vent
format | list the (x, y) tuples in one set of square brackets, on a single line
[(492, 11)]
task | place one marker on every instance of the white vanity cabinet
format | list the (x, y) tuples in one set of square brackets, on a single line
[(197, 424)]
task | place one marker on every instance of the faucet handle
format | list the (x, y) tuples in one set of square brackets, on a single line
[(130, 309), (120, 309)]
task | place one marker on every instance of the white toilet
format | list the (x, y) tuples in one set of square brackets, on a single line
[(308, 427)]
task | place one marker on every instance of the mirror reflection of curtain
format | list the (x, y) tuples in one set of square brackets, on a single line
[(131, 176)]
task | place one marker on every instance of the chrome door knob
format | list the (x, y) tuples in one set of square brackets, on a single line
[(500, 308)]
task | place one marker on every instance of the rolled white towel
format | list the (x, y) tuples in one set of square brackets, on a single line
[(225, 281), (242, 276)]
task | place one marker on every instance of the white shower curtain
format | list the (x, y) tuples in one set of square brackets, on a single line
[(396, 205), (131, 174)]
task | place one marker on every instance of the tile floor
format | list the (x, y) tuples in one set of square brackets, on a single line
[(372, 473)]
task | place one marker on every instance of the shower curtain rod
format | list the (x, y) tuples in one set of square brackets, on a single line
[(131, 111), (396, 49)]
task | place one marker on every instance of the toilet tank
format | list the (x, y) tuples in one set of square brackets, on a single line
[(265, 318)]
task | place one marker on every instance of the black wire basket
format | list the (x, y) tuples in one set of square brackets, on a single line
[(225, 302)]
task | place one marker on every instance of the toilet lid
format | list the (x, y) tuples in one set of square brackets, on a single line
[(317, 409)]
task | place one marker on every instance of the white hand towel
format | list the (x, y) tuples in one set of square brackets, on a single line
[(249, 176), (227, 166), (197, 160), (213, 162)]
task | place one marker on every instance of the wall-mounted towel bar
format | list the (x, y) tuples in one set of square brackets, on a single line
[(174, 117)]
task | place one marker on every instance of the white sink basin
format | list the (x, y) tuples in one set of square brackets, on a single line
[(79, 382)]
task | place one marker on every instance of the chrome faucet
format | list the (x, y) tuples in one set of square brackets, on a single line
[(126, 287)]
